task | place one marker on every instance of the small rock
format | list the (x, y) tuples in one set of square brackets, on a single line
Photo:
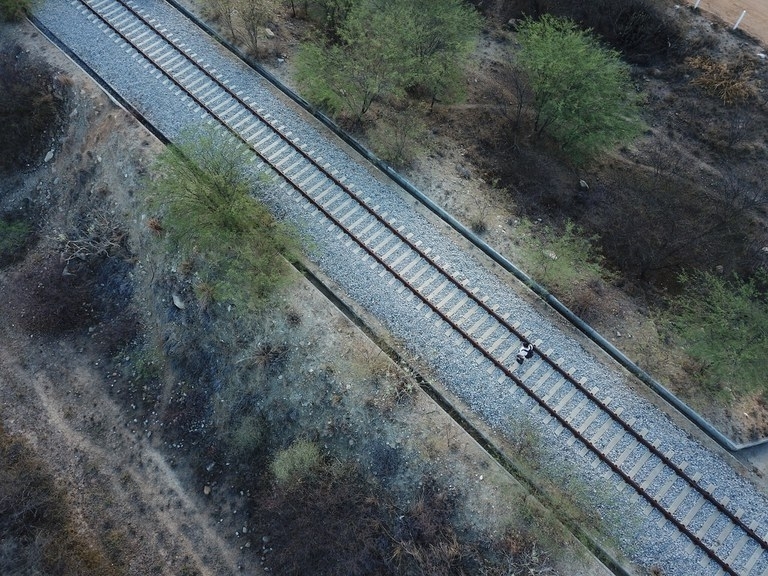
[(48, 156), (206, 490), (269, 33), (265, 539), (583, 185), (178, 302), (463, 172)]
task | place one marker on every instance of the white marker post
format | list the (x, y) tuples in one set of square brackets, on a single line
[(696, 6), (739, 20)]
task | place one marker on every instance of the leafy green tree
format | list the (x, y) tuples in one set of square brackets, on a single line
[(583, 96), (384, 48), (205, 190), (723, 324), (367, 64), (440, 33)]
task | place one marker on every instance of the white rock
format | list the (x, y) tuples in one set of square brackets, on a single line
[(48, 156), (178, 302)]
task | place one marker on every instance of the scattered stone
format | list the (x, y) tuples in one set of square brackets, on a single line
[(206, 490), (269, 33), (463, 172), (178, 302), (583, 185), (48, 156)]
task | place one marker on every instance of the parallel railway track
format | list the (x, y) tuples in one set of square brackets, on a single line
[(726, 541)]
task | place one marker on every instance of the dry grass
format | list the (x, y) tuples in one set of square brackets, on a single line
[(731, 82)]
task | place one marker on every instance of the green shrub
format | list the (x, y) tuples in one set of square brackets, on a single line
[(13, 10), (14, 235), (296, 463), (249, 437), (567, 263), (205, 189), (722, 323)]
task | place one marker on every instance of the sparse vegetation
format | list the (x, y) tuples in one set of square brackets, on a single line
[(568, 499), (296, 463), (731, 82), (722, 323), (14, 236), (30, 107), (13, 10), (567, 263)]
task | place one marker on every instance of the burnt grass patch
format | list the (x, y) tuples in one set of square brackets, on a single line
[(32, 101)]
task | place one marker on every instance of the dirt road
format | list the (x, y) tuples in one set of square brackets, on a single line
[(755, 21)]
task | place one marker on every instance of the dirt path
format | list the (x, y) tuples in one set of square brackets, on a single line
[(755, 21), (121, 486)]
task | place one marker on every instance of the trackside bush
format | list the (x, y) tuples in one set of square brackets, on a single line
[(14, 236), (296, 462), (13, 10), (205, 191), (723, 325)]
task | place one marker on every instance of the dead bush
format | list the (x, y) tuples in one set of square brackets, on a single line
[(332, 523), (729, 81)]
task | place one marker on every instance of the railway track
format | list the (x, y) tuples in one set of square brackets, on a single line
[(726, 541)]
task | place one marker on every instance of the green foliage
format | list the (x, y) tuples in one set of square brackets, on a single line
[(13, 237), (583, 96), (331, 14), (249, 437), (568, 261), (383, 48), (296, 463), (13, 10), (723, 325), (396, 136), (211, 216), (440, 33)]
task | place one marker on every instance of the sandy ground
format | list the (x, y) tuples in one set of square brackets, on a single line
[(755, 21)]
